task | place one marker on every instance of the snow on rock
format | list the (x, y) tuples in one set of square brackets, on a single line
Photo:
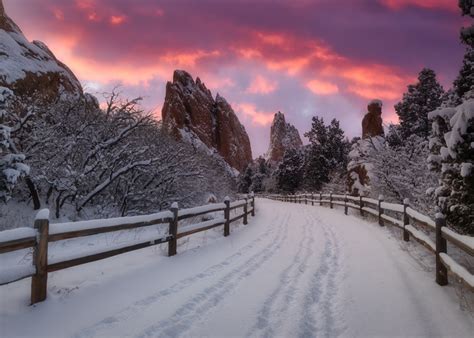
[(190, 113), (283, 136), (30, 68)]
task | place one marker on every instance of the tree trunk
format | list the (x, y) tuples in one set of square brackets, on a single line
[(33, 192)]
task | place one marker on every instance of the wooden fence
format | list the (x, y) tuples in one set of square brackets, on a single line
[(404, 218), (44, 233)]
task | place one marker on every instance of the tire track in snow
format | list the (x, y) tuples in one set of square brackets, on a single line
[(321, 310), (278, 303), (138, 307), (271, 235), (195, 308)]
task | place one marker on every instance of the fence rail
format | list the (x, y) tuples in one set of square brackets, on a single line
[(44, 233), (405, 218)]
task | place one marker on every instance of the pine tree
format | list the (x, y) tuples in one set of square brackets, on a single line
[(418, 101), (465, 80), (452, 139), (289, 173), (327, 153), (245, 180)]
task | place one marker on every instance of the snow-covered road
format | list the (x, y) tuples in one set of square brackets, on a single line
[(295, 270)]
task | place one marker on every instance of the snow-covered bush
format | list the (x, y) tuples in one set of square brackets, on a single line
[(12, 166), (452, 155)]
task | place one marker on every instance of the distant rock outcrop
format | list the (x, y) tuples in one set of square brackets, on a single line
[(358, 178), (372, 122), (283, 136), (191, 113), (30, 69)]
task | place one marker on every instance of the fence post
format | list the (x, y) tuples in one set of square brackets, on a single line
[(441, 247), (173, 230), (39, 281), (361, 205), (305, 199), (320, 199), (380, 210), (406, 220), (345, 203), (312, 199), (330, 200), (252, 204), (227, 216), (245, 210)]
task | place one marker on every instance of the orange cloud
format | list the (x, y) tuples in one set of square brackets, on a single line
[(450, 5), (272, 39), (58, 14), (250, 110), (260, 85), (117, 19), (188, 59), (322, 87)]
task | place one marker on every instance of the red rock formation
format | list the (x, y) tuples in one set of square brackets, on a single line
[(358, 179), (29, 68), (283, 136), (191, 113), (372, 122)]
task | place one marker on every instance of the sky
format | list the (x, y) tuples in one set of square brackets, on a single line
[(304, 58)]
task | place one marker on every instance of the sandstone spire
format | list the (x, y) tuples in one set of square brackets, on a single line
[(191, 113), (283, 136)]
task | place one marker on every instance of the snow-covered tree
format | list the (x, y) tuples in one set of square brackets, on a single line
[(401, 172), (326, 154), (12, 166), (289, 173), (465, 80), (417, 102), (245, 180), (452, 154), (452, 141)]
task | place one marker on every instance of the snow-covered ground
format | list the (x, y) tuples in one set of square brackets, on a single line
[(294, 270)]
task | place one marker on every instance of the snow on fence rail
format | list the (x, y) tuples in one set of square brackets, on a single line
[(44, 233), (405, 214)]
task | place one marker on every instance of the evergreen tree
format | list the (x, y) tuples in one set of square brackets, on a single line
[(289, 173), (465, 80), (418, 101), (327, 152), (245, 180), (452, 139)]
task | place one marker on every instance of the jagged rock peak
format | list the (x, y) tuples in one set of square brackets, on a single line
[(30, 69), (372, 122), (283, 136), (191, 113)]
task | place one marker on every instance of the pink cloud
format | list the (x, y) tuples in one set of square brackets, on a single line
[(117, 19), (250, 111), (261, 85), (322, 87), (450, 5)]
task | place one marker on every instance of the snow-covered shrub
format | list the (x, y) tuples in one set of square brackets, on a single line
[(452, 155), (401, 172), (12, 166)]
